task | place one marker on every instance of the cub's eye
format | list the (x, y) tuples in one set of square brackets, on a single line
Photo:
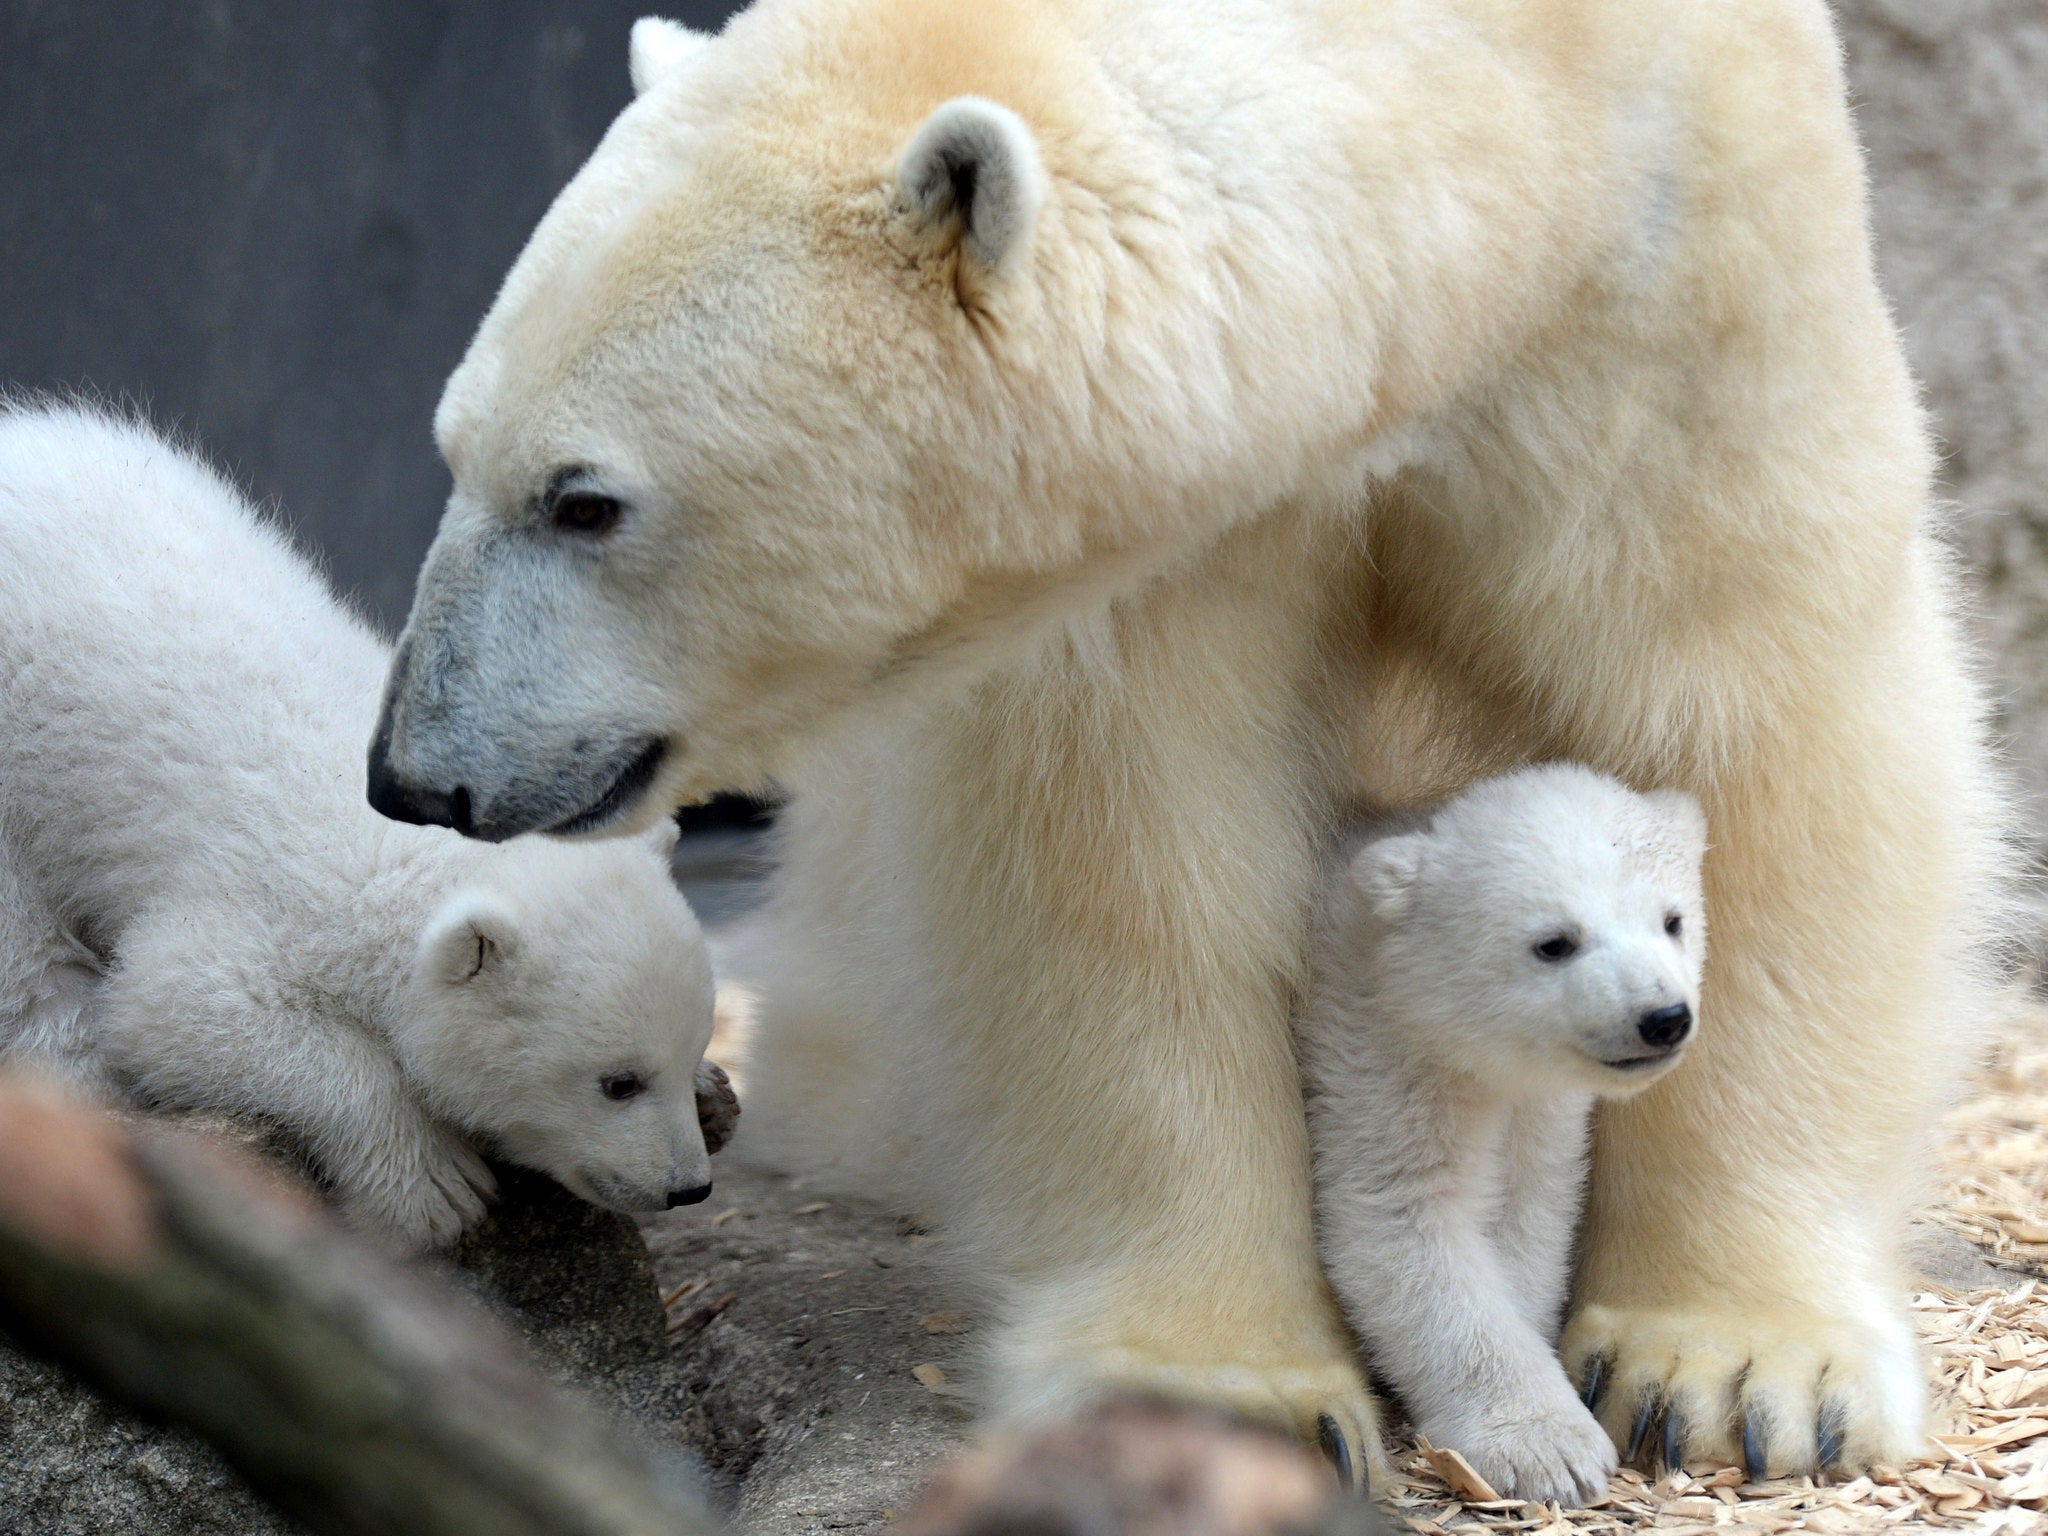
[(1674, 924), (585, 512), (621, 1086), (1559, 946)]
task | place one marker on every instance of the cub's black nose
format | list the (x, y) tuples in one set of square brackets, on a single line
[(1665, 1027), (693, 1196)]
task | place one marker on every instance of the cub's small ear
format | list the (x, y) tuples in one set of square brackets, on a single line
[(663, 836), (973, 168), (1687, 820), (658, 48), (1386, 871), (469, 936)]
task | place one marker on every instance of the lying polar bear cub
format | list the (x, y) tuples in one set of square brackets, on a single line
[(199, 909), (1479, 978)]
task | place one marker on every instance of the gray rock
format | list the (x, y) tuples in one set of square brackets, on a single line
[(71, 1466), (795, 1347), (574, 1280)]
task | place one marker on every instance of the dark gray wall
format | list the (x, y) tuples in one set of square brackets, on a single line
[(277, 224)]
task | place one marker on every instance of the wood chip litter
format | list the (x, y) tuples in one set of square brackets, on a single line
[(1985, 1470)]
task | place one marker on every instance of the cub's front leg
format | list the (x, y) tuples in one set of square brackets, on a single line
[(1548, 1146), (179, 1036), (1404, 1212)]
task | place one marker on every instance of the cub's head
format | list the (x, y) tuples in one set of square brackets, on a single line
[(1547, 927), (560, 1005), (818, 388)]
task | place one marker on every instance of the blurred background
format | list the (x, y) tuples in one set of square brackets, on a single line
[(277, 223)]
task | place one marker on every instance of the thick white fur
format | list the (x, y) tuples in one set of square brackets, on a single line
[(1451, 1072), (659, 48), (1388, 394), (197, 906)]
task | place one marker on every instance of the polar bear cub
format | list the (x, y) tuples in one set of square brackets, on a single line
[(199, 909), (1480, 977)]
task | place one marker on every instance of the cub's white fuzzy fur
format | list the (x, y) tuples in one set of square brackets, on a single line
[(198, 907), (1478, 981)]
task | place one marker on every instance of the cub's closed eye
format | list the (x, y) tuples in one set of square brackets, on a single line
[(1559, 946), (621, 1086), (586, 512), (1674, 925)]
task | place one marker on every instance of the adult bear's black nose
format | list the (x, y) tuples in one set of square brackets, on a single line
[(696, 1194), (422, 807), (1665, 1027)]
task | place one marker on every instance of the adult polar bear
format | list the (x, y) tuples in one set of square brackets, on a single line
[(1269, 405)]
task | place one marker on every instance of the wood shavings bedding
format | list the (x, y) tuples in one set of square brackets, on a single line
[(1986, 1467)]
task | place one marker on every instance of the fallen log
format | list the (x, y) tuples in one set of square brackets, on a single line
[(191, 1283), (356, 1396)]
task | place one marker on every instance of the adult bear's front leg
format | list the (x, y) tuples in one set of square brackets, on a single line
[(1112, 852), (1743, 1288)]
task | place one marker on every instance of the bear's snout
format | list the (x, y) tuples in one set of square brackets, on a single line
[(696, 1194), (393, 797), (1665, 1028)]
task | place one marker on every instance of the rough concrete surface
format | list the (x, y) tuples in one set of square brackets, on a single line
[(1952, 104), (803, 1324), (71, 1466)]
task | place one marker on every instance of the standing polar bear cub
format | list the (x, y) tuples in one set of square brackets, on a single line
[(1477, 981), (197, 908)]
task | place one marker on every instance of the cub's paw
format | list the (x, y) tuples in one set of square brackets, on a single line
[(1321, 1403), (425, 1200), (1781, 1392), (1555, 1453), (718, 1107)]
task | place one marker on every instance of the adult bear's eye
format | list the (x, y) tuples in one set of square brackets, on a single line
[(586, 512), (621, 1086), (1674, 925), (1559, 946)]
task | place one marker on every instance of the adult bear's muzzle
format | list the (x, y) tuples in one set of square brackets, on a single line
[(595, 782), (400, 799)]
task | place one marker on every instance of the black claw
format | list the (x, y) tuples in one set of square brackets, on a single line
[(1334, 1446), (1639, 1431), (1755, 1465), (1674, 1438), (1596, 1378), (1831, 1428)]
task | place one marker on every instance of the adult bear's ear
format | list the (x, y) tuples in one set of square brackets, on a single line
[(472, 934), (660, 47), (1385, 872), (972, 174)]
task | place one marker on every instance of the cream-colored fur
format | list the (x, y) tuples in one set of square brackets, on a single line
[(1319, 402)]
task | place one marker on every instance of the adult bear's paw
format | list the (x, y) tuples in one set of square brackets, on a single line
[(1323, 1403), (1778, 1392)]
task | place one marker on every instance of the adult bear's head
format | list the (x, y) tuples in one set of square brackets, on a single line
[(874, 339)]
